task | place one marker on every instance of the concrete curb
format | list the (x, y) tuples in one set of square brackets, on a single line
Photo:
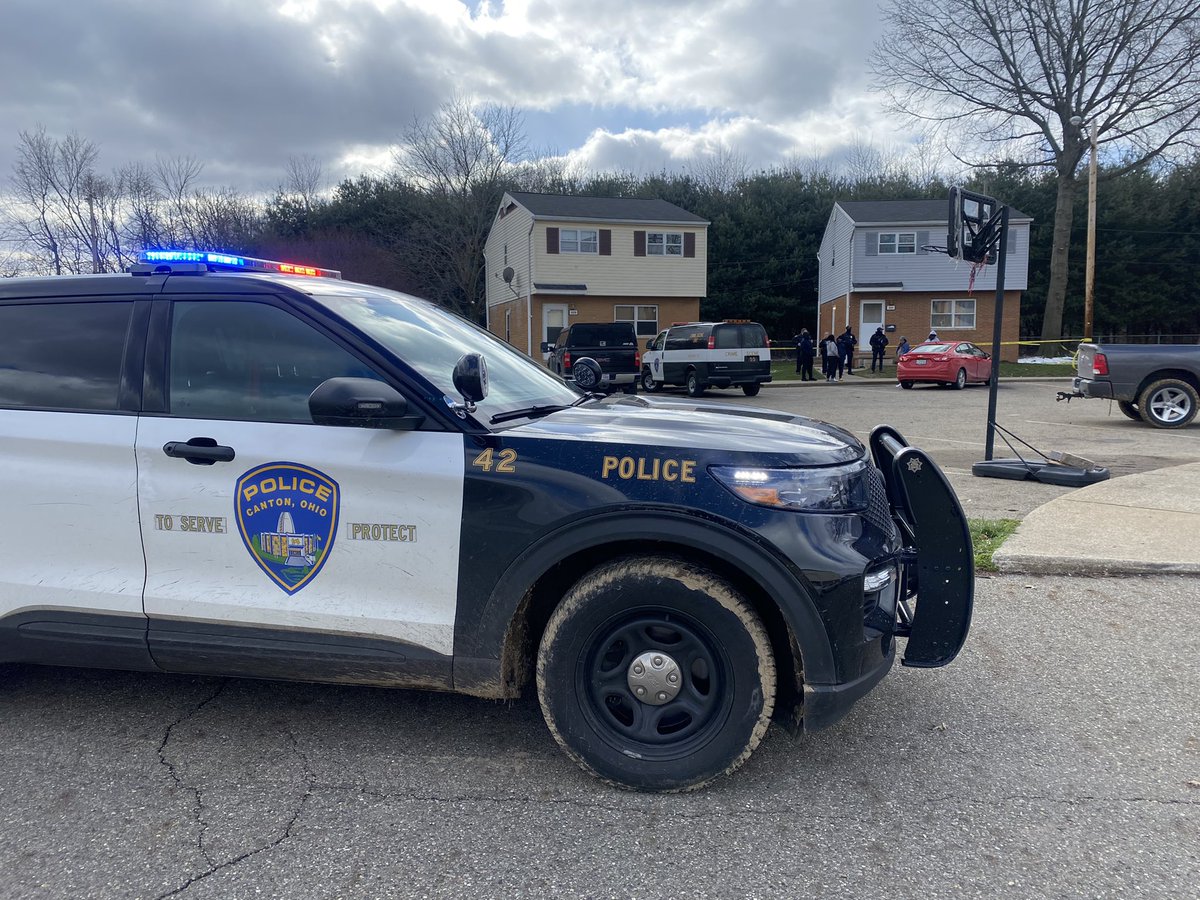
[(1144, 524)]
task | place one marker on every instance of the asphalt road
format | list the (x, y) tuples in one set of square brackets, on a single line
[(1059, 756)]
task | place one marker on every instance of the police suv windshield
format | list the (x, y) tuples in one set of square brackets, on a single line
[(431, 340)]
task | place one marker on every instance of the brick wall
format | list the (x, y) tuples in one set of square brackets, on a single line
[(911, 316)]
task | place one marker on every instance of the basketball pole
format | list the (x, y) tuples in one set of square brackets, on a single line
[(1002, 264)]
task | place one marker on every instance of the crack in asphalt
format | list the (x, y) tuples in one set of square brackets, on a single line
[(198, 812), (213, 868)]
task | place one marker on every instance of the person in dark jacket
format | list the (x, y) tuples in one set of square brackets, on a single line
[(847, 342), (804, 355), (878, 343)]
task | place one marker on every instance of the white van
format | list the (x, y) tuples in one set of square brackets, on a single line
[(700, 355)]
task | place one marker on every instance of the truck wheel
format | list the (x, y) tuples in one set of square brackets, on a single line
[(751, 390), (630, 388), (1130, 410), (695, 387), (960, 380), (649, 385), (1168, 403), (654, 674)]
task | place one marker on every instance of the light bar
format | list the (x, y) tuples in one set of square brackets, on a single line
[(229, 261)]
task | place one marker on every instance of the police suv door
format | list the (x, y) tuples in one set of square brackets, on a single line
[(280, 548)]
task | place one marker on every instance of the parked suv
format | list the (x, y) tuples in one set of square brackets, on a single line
[(613, 346), (700, 355), (220, 466)]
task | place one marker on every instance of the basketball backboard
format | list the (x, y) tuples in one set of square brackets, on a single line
[(973, 226)]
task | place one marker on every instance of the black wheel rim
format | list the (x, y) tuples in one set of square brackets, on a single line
[(675, 728)]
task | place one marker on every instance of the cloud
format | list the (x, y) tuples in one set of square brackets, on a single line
[(242, 87)]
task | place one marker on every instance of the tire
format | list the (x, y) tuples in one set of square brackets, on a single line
[(960, 380), (1130, 410), (584, 377), (695, 387), (625, 612), (1168, 403), (907, 385), (629, 388), (649, 385), (751, 390)]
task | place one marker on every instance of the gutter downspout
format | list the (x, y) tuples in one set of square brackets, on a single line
[(487, 296), (850, 280), (529, 287)]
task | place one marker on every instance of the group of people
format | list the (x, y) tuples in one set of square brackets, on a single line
[(837, 353)]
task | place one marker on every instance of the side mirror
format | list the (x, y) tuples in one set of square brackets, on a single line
[(547, 347), (586, 372), (470, 377), (362, 403)]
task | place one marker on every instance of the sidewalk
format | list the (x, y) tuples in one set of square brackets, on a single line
[(1133, 525)]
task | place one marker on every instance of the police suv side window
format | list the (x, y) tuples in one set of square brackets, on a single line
[(249, 361), (63, 356)]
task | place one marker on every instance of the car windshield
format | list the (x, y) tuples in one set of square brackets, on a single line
[(931, 348), (431, 340)]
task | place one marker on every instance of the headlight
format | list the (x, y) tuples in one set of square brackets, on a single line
[(838, 489)]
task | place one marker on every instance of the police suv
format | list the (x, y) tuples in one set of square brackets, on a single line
[(227, 466)]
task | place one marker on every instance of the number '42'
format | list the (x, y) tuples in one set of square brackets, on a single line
[(505, 461)]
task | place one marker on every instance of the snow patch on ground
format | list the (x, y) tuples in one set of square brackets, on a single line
[(1046, 359)]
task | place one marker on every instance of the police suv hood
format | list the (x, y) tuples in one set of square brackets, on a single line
[(709, 426)]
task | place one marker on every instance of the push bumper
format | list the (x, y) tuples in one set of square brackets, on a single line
[(937, 564)]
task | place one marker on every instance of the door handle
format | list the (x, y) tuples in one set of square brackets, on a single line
[(199, 451)]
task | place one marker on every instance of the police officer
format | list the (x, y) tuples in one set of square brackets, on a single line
[(878, 342), (804, 355)]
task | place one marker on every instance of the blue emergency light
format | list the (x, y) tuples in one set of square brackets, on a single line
[(227, 261)]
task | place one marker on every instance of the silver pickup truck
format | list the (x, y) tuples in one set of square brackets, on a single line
[(1157, 383)]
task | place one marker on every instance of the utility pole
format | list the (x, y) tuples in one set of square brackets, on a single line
[(1089, 286)]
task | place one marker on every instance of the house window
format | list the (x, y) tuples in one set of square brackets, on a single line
[(897, 242), (578, 240), (952, 314), (644, 318), (664, 243)]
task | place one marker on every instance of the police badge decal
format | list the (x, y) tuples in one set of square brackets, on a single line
[(287, 515)]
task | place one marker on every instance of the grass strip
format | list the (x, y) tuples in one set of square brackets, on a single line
[(986, 537)]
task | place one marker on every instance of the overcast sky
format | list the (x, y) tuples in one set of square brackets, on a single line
[(613, 84)]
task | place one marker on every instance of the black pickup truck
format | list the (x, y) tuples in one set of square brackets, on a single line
[(614, 347), (1157, 383)]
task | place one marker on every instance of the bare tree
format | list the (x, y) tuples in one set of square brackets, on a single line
[(302, 180), (1017, 71), (719, 171), (461, 158)]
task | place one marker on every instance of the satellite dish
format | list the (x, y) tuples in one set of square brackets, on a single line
[(508, 274)]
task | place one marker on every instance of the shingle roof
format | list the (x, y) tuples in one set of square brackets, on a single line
[(906, 211), (615, 209)]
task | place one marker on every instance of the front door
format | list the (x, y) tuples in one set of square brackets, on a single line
[(281, 548), (554, 320), (871, 317)]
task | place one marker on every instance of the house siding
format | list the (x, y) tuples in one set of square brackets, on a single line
[(835, 256), (934, 271), (512, 230), (622, 274)]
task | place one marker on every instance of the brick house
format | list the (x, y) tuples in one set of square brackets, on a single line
[(874, 271), (553, 260)]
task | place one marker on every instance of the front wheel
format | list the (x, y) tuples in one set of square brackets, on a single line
[(695, 387), (1130, 410), (649, 385), (960, 380), (751, 390), (1168, 403), (655, 674)]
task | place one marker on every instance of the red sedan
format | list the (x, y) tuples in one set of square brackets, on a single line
[(955, 363)]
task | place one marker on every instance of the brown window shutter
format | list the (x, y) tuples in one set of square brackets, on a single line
[(639, 243), (551, 240), (689, 244), (606, 242)]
